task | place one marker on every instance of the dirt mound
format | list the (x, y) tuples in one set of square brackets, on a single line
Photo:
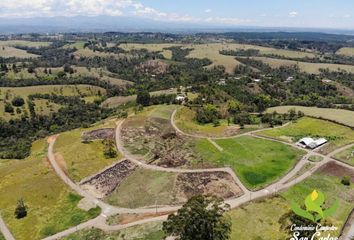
[(220, 184), (105, 133), (105, 182), (334, 169)]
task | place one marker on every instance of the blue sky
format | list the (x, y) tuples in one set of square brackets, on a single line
[(269, 13)]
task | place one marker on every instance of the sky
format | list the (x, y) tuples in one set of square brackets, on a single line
[(232, 13)]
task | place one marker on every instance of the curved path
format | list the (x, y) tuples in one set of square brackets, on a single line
[(108, 210)]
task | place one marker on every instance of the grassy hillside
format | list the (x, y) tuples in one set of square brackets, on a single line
[(52, 207)]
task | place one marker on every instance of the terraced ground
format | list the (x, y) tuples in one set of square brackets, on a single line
[(78, 159), (52, 207), (257, 162), (337, 115), (336, 134), (44, 107)]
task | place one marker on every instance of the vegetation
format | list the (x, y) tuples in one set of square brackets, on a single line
[(51, 206), (201, 218), (337, 135), (346, 156), (257, 162), (80, 159)]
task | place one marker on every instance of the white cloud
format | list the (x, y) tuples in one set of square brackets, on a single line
[(52, 8), (347, 16), (293, 14)]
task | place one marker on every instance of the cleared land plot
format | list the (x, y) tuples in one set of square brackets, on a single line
[(345, 117), (257, 162), (150, 47), (148, 231), (185, 121), (346, 51), (116, 101), (308, 67), (144, 188), (346, 156), (80, 159), (7, 94), (51, 205), (336, 134)]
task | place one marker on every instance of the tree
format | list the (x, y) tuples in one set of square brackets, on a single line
[(263, 102), (109, 148), (207, 114), (346, 180), (9, 108), (201, 218), (21, 209), (18, 101), (143, 98)]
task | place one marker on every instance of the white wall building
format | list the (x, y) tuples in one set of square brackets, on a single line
[(311, 143)]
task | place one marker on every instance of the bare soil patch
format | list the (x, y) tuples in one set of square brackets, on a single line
[(106, 181), (98, 134), (220, 184), (61, 162), (133, 217), (336, 170), (153, 66)]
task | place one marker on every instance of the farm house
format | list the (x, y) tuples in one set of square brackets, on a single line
[(311, 143)]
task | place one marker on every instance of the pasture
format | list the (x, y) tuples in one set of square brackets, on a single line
[(8, 48), (185, 119), (52, 207), (346, 51), (312, 68), (257, 162), (337, 115), (212, 52), (78, 159), (337, 135)]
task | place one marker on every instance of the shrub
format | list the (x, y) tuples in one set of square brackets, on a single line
[(18, 101), (346, 180)]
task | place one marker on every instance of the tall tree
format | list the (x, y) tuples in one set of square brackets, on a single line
[(143, 98), (201, 218)]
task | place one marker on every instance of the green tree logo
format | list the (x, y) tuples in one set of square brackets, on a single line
[(314, 211)]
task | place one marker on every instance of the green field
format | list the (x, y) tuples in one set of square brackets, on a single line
[(7, 94), (337, 135), (257, 162), (144, 188), (148, 231), (51, 204), (186, 122), (346, 156), (308, 67), (7, 48), (337, 115), (83, 159), (267, 224)]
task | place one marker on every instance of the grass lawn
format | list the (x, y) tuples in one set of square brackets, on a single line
[(338, 115), (265, 222), (83, 159), (51, 204), (2, 236), (185, 121), (337, 135), (144, 188), (346, 51), (148, 231), (346, 156), (315, 158), (257, 162)]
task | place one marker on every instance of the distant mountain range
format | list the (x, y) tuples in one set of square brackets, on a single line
[(130, 24)]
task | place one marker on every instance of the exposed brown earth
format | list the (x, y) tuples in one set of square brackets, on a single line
[(220, 184), (129, 218), (153, 66), (336, 170), (61, 162), (104, 133), (105, 182)]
